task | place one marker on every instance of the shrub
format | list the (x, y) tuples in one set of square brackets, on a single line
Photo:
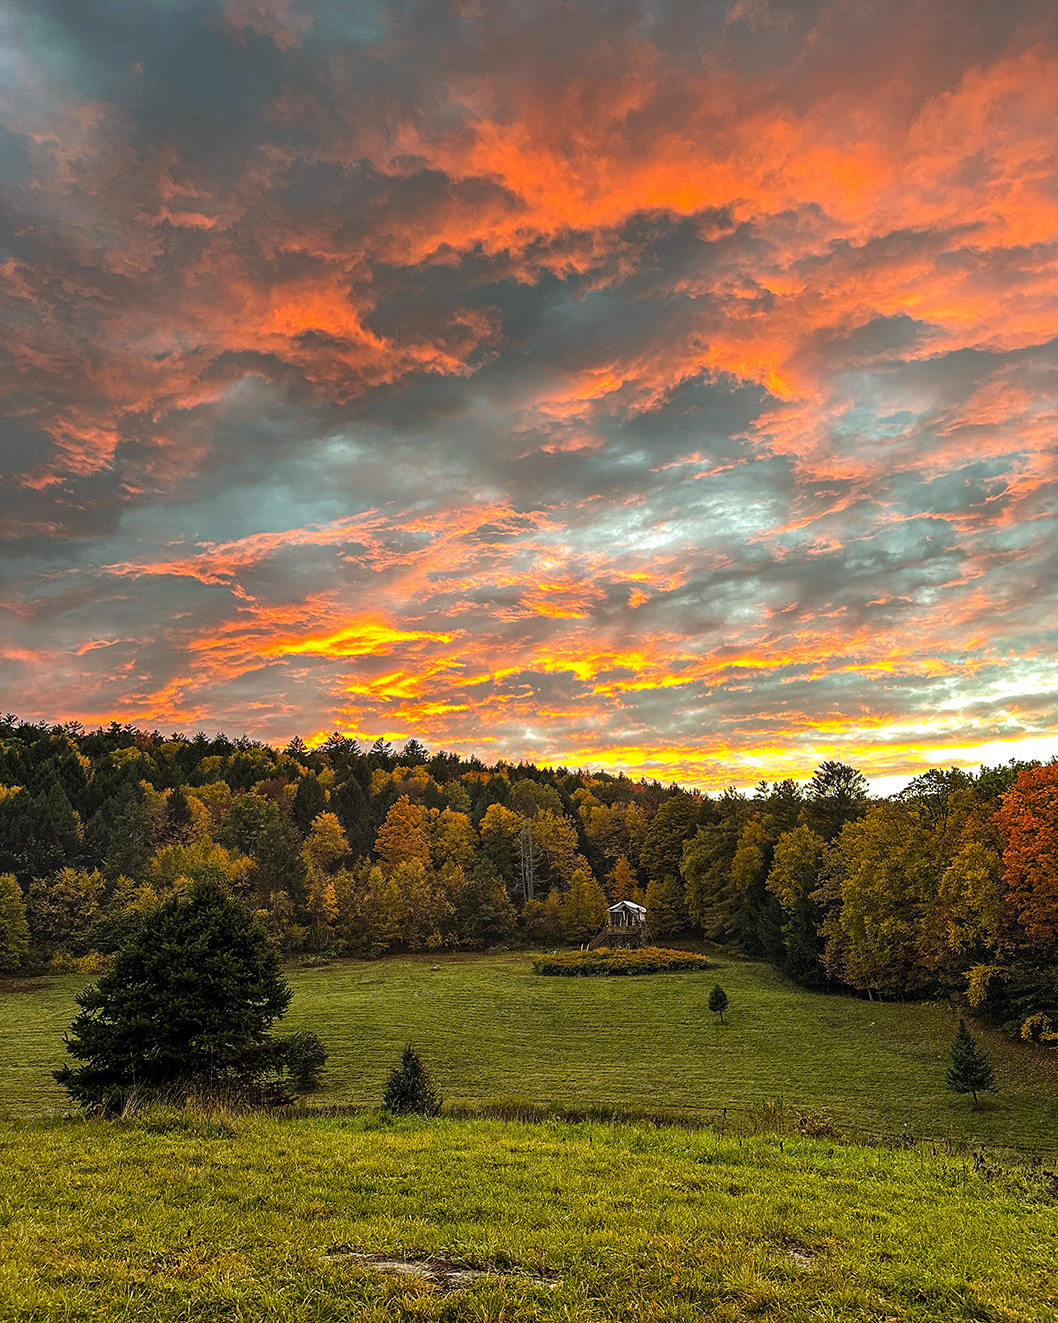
[(409, 1089), (304, 1057), (647, 960)]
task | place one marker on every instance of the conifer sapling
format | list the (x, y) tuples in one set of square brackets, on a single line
[(409, 1089), (969, 1069), (718, 1001)]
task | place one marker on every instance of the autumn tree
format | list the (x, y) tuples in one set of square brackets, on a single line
[(584, 907), (453, 840), (402, 837), (795, 875), (622, 880), (555, 836), (499, 828), (62, 911), (14, 931), (887, 884), (426, 910), (122, 918), (325, 847), (964, 926), (1028, 820)]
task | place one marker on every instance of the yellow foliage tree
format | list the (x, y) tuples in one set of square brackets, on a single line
[(453, 840), (325, 845), (402, 837), (584, 907), (622, 879)]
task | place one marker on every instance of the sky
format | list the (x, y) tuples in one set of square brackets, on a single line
[(662, 387)]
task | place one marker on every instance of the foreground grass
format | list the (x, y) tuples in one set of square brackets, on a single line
[(178, 1217), (488, 1027)]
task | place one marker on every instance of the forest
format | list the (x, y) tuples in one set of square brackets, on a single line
[(948, 888)]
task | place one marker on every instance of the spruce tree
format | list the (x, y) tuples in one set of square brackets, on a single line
[(186, 1008), (718, 1001), (969, 1069), (409, 1089)]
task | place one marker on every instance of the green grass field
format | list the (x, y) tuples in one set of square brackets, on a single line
[(488, 1028), (176, 1217)]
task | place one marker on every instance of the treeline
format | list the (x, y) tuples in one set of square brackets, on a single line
[(952, 885)]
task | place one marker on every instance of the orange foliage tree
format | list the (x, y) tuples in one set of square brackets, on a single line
[(1028, 820)]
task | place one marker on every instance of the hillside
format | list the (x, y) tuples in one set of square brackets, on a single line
[(490, 1028), (175, 1217)]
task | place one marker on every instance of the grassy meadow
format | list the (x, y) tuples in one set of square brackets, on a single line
[(175, 1216), (489, 1028)]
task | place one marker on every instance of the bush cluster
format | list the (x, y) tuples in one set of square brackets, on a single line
[(647, 960)]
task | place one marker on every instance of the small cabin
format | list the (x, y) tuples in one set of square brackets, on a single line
[(625, 926)]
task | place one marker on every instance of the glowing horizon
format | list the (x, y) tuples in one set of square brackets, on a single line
[(669, 390)]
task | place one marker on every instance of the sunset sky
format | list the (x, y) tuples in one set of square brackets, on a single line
[(668, 387)]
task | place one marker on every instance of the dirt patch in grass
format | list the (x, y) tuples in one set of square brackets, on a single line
[(37, 985), (798, 1253), (444, 1275)]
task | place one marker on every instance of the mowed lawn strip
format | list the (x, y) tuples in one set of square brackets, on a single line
[(178, 1217), (489, 1028)]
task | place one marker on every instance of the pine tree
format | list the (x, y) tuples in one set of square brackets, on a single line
[(188, 1005), (718, 1001), (310, 800), (409, 1089), (969, 1069)]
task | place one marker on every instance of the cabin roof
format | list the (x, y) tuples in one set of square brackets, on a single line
[(627, 905)]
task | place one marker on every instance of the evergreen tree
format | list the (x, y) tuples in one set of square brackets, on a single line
[(55, 833), (278, 865), (409, 1089), (349, 803), (188, 1005), (119, 834), (837, 794), (718, 1001), (310, 800), (969, 1069)]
